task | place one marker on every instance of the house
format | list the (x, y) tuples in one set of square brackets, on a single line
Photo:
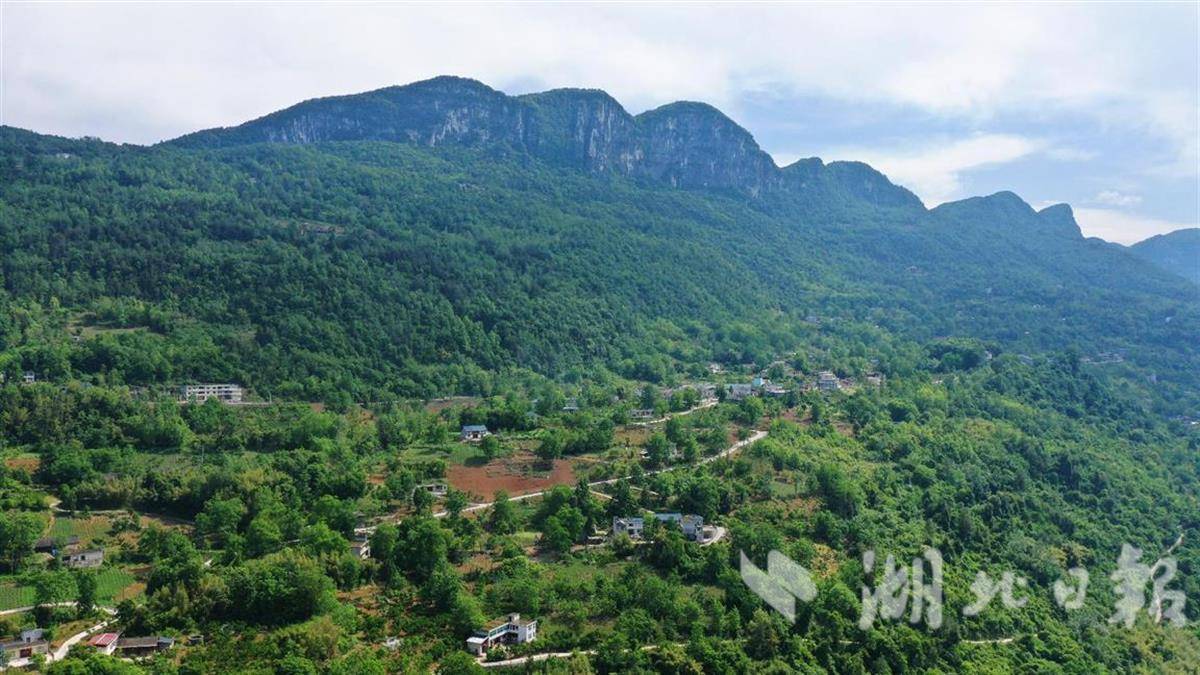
[(757, 382), (827, 381), (642, 414), (92, 557), (435, 489), (51, 545), (105, 643), (509, 630), (361, 548), (29, 642), (738, 392), (29, 377), (773, 390), (691, 525), (225, 393), (132, 648), (631, 526), (716, 368), (473, 433), (708, 392), (572, 405)]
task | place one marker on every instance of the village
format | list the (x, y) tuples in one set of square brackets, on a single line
[(510, 466)]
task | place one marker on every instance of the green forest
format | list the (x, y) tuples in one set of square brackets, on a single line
[(825, 374)]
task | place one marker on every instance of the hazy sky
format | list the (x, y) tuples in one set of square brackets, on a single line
[(1092, 104)]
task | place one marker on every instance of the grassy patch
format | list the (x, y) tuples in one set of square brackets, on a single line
[(13, 596)]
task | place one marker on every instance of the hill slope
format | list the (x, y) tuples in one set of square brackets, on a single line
[(421, 239), (1177, 252)]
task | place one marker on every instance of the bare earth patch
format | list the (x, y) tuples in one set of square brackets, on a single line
[(516, 474)]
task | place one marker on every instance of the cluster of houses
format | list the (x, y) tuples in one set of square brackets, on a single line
[(69, 553), (690, 524), (759, 386), (28, 377), (130, 647), (32, 642), (511, 629)]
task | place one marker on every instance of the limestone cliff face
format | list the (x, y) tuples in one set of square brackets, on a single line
[(694, 145), (685, 145)]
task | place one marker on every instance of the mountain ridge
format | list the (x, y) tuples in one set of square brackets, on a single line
[(1177, 252), (685, 144)]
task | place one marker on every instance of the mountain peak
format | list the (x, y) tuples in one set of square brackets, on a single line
[(1060, 219)]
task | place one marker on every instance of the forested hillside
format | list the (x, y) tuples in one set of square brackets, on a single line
[(475, 330), (371, 267), (1177, 252)]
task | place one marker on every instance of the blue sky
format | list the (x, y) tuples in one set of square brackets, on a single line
[(1093, 104)]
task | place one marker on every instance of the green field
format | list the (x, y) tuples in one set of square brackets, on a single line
[(109, 582), (12, 596)]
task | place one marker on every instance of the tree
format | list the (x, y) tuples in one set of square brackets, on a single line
[(456, 501), (422, 501), (658, 450), (19, 531), (221, 519), (551, 446), (502, 520), (85, 592), (490, 446)]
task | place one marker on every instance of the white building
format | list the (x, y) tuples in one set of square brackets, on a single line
[(225, 393), (632, 527), (691, 524), (509, 630), (472, 433), (827, 381), (90, 558)]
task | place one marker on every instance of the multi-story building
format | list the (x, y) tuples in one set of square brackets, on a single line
[(509, 630), (225, 393), (631, 527)]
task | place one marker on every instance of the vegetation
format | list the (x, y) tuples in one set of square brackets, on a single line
[(1029, 411)]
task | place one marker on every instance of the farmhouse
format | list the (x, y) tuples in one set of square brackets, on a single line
[(738, 392), (143, 646), (435, 489), (827, 381), (225, 393), (692, 525), (360, 547), (92, 557), (642, 414), (632, 527), (105, 643), (28, 643), (509, 630), (472, 433)]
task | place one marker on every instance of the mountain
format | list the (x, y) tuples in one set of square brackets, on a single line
[(431, 238), (683, 144), (1177, 252)]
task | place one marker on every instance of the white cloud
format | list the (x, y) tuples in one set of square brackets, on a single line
[(1114, 198), (1121, 226), (143, 71), (934, 170)]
